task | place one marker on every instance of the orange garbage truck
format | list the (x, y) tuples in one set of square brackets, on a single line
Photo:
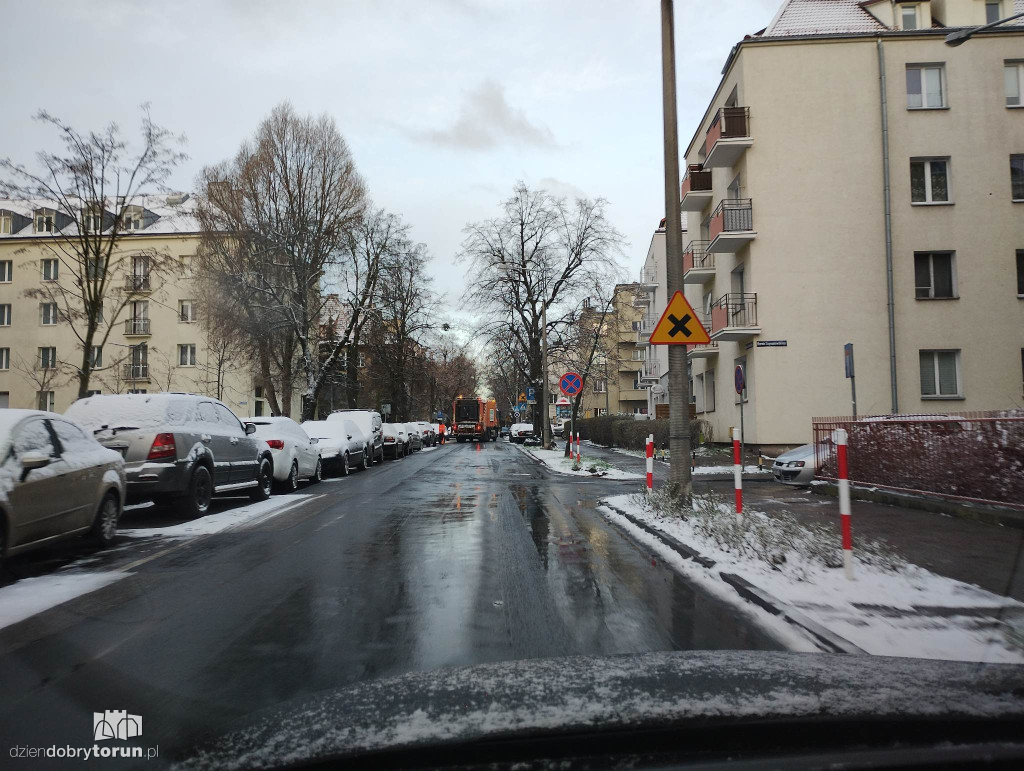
[(475, 419)]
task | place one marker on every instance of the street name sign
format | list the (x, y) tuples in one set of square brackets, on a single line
[(679, 324)]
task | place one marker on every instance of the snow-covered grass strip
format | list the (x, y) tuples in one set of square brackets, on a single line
[(30, 596), (891, 608), (556, 461)]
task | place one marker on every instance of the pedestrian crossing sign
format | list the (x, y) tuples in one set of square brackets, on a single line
[(679, 324)]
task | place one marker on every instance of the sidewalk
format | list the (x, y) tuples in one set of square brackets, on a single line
[(989, 556), (713, 466)]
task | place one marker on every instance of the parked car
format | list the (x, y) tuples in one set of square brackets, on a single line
[(414, 439), (427, 432), (520, 432), (343, 446), (796, 467), (56, 481), (178, 448), (505, 431), (394, 440), (296, 455), (371, 424)]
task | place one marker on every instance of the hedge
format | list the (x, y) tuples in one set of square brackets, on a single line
[(631, 434)]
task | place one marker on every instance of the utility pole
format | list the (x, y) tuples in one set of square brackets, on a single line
[(545, 426), (678, 383)]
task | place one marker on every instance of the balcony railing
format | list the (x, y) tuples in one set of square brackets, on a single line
[(136, 326), (697, 180), (136, 371), (696, 257), (136, 283), (730, 123), (651, 370), (648, 277), (734, 311), (732, 215)]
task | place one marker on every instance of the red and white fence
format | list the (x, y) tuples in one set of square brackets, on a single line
[(650, 463)]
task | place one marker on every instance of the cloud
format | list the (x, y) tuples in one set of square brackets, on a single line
[(486, 120), (560, 189)]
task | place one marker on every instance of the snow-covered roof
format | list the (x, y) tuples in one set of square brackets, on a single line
[(170, 214), (821, 17), (9, 418)]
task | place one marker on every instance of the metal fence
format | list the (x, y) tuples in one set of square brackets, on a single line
[(965, 456)]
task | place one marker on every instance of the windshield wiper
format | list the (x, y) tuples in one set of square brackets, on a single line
[(114, 429)]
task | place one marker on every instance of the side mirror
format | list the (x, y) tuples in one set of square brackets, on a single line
[(33, 460), (314, 440), (250, 428)]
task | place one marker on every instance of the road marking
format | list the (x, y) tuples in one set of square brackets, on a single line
[(328, 524), (251, 523)]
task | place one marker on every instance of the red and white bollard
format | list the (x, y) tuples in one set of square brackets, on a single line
[(844, 502), (579, 458), (650, 463), (737, 471)]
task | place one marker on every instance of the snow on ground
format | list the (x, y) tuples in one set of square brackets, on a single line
[(910, 612), (430, 449), (30, 596), (556, 461), (218, 522)]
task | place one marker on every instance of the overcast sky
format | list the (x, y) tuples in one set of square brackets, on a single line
[(445, 103)]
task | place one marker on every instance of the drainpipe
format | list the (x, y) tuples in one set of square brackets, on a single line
[(887, 197)]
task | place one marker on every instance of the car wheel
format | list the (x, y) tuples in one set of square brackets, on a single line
[(264, 481), (345, 470), (104, 527), (292, 483), (200, 493), (367, 458), (318, 473)]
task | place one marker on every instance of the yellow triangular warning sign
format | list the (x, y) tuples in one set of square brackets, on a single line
[(679, 324)]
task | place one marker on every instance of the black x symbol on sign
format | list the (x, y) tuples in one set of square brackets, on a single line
[(679, 325)]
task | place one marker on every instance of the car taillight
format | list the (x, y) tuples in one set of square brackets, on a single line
[(162, 447), (389, 438), (276, 444), (477, 426)]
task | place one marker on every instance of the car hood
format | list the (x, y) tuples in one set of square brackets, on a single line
[(556, 697), (802, 452)]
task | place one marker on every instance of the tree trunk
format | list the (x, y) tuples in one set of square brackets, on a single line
[(86, 371)]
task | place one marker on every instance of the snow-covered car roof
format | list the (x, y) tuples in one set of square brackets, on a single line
[(522, 426), (9, 418), (136, 410)]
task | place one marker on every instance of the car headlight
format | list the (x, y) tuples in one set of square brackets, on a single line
[(796, 464)]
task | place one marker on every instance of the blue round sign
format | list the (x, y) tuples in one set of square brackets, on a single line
[(741, 382), (571, 383)]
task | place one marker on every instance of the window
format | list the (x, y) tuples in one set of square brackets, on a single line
[(929, 180), (187, 311), (926, 86), (187, 355), (227, 418), (639, 354), (940, 375), (1013, 83), (92, 223), (93, 392), (95, 269), (1017, 177), (600, 386), (697, 393), (96, 357), (140, 265), (601, 411), (71, 437), (709, 391), (44, 223), (48, 314), (934, 275), (6, 271), (34, 436), (50, 269), (993, 12), (48, 357), (635, 325), (908, 16), (6, 224), (132, 218), (5, 358), (137, 390), (258, 408), (5, 315), (1020, 273)]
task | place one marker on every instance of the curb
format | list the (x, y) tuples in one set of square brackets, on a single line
[(989, 515), (750, 592)]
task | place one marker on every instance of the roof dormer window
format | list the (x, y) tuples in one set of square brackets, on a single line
[(908, 16), (44, 221), (132, 218)]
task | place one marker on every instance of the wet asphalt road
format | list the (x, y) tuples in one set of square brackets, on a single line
[(471, 553)]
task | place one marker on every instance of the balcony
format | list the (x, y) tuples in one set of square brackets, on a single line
[(731, 226), (703, 350), (647, 325), (650, 371), (136, 327), (734, 317), (646, 287), (728, 137), (137, 283), (695, 193), (698, 263), (136, 372)]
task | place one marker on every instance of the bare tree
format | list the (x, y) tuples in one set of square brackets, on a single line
[(536, 255), (276, 221), (450, 371), (91, 191), (41, 376)]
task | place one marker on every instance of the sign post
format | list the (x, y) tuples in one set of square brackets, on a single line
[(741, 384), (848, 359)]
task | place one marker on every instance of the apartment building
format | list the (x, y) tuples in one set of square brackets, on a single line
[(156, 341), (614, 386), (856, 180)]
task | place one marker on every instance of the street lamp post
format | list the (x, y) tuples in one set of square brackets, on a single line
[(963, 35)]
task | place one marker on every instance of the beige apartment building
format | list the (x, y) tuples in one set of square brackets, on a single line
[(856, 180), (157, 341)]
